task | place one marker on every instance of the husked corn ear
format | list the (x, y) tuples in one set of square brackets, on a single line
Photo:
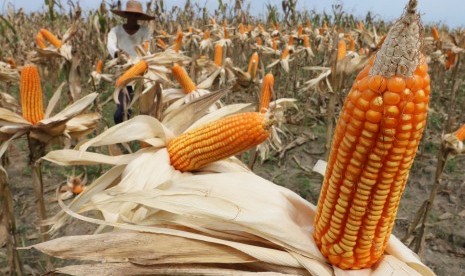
[(99, 66), (31, 94), (435, 34), (275, 45), (183, 78), (40, 41), (178, 42), (253, 65), (351, 43), (460, 133), (341, 49), (267, 88), (306, 41), (241, 28), (136, 70), (374, 145), (51, 38), (300, 30), (11, 62), (218, 140), (450, 59), (206, 35), (285, 53), (218, 59), (291, 40), (161, 44)]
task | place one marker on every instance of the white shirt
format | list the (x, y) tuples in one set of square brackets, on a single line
[(119, 39)]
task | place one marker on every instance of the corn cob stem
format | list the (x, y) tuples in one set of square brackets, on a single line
[(218, 140), (374, 145)]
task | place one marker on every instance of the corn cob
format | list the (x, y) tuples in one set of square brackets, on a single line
[(11, 62), (306, 41), (300, 30), (341, 49), (225, 33), (265, 97), (285, 53), (161, 44), (351, 43), (40, 41), (275, 45), (259, 41), (31, 94), (218, 59), (146, 45), (291, 40), (253, 65), (218, 140), (460, 133), (99, 66), (178, 42), (51, 38), (435, 33), (374, 145), (183, 78), (206, 35), (241, 29), (450, 59), (136, 70)]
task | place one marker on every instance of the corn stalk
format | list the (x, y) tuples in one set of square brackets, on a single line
[(7, 215)]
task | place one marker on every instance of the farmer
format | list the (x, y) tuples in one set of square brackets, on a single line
[(123, 40)]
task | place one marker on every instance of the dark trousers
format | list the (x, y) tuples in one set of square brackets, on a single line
[(124, 98)]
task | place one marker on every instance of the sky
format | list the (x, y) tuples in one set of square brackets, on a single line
[(449, 12)]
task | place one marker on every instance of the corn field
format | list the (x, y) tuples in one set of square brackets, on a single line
[(294, 143)]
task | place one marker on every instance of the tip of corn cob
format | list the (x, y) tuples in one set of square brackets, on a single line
[(400, 52)]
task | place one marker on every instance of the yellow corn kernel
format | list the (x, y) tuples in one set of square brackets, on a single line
[(218, 140)]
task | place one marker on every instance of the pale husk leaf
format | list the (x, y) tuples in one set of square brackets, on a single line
[(54, 100), (123, 269), (71, 110), (139, 128), (184, 116)]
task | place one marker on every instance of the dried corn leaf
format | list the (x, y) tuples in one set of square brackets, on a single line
[(123, 269), (141, 248)]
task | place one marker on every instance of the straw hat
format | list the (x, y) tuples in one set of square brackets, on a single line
[(133, 7)]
